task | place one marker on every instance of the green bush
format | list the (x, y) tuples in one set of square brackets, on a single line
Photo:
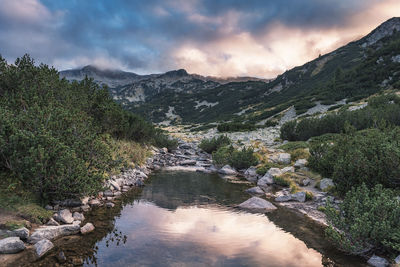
[(160, 139), (235, 127), (370, 156), (240, 159), (54, 135), (368, 219), (213, 144)]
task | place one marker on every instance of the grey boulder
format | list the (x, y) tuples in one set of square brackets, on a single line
[(11, 245), (325, 183), (255, 191), (227, 170), (22, 233), (256, 204), (64, 216), (378, 261), (87, 228), (42, 247), (52, 232), (299, 196)]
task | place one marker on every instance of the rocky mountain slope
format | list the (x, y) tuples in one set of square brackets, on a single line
[(348, 74)]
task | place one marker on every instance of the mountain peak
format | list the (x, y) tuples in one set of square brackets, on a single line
[(387, 28), (177, 73)]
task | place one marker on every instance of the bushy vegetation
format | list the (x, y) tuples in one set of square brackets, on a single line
[(370, 156), (55, 135), (240, 159), (381, 109), (368, 219), (213, 144)]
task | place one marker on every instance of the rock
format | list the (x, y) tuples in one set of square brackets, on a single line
[(283, 198), (299, 196), (48, 207), (164, 150), (397, 260), (52, 222), (251, 172), (227, 170), (287, 169), (61, 257), (64, 216), (256, 204), (377, 261), (85, 208), (22, 233), (325, 183), (284, 158), (115, 185), (265, 181), (300, 163), (94, 202), (42, 247), (78, 216), (188, 162), (110, 205), (11, 245), (52, 232), (85, 200), (70, 203), (274, 172), (141, 174), (87, 228), (77, 261), (255, 191), (306, 181), (77, 222)]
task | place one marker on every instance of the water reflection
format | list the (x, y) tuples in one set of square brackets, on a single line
[(189, 219)]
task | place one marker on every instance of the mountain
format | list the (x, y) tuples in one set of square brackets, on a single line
[(350, 73)]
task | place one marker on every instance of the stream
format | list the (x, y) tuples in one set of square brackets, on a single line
[(190, 219)]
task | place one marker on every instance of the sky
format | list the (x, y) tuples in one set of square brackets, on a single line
[(225, 38)]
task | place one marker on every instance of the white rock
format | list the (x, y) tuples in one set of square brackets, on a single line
[(378, 261), (22, 233), (42, 247), (11, 245), (64, 216), (115, 185), (94, 202), (87, 228), (256, 204), (52, 232), (274, 172), (227, 170), (287, 169), (52, 222), (110, 205), (397, 260)]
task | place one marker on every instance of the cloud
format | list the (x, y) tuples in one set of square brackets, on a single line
[(229, 38)]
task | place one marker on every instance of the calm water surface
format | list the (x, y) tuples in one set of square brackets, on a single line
[(189, 219)]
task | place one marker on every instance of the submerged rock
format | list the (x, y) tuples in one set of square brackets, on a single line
[(42, 247), (256, 204), (11, 245)]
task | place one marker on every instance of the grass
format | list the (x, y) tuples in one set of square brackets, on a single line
[(128, 153), (294, 145), (16, 224), (299, 153)]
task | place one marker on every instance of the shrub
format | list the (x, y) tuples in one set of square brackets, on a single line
[(282, 181), (240, 159), (213, 144), (294, 145), (235, 127), (309, 195), (162, 140), (371, 157), (367, 219)]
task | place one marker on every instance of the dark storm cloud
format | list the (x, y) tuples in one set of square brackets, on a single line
[(140, 35)]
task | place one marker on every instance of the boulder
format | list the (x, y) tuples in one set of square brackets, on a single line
[(78, 216), (306, 182), (42, 247), (397, 260), (256, 204), (325, 183), (11, 245), (265, 181), (227, 170), (378, 261), (70, 203), (52, 232), (64, 216), (251, 172), (94, 202), (22, 233), (87, 228), (300, 163), (115, 185), (284, 158), (299, 196), (85, 208), (255, 191), (108, 193), (110, 205), (274, 172)]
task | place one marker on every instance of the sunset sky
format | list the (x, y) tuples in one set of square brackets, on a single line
[(259, 38)]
